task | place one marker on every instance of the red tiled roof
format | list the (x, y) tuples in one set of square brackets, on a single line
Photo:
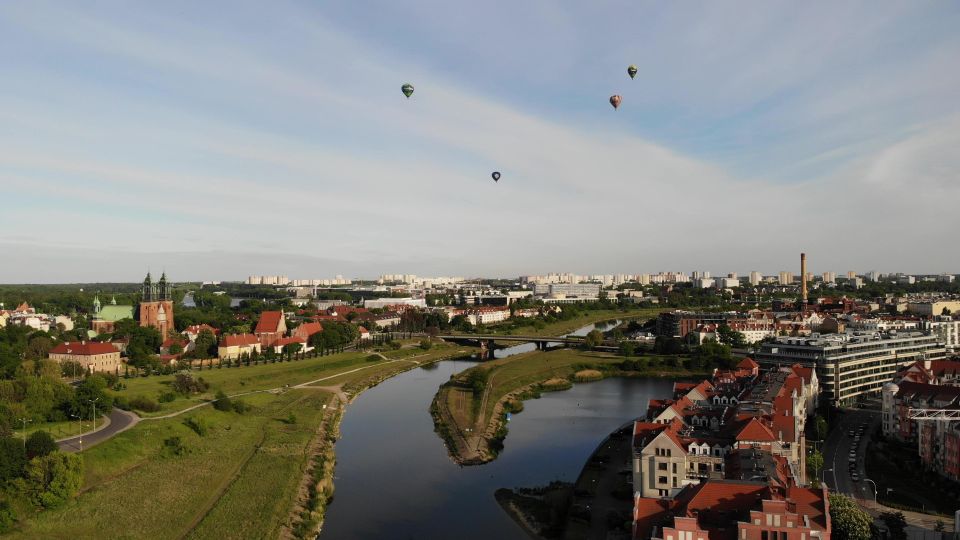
[(723, 496), (197, 328), (812, 503), (288, 341), (786, 427), (363, 330), (269, 322), (755, 430), (806, 373), (239, 340), (747, 363), (306, 330), (83, 348), (169, 342)]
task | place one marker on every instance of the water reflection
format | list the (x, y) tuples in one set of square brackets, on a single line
[(394, 479)]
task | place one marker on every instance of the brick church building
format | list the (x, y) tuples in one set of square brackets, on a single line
[(156, 305)]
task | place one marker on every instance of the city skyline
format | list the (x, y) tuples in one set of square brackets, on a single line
[(223, 141)]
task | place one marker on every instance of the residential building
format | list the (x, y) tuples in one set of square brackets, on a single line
[(307, 329), (588, 290), (756, 278), (829, 277), (946, 328), (236, 345), (934, 308), (854, 363), (94, 357), (785, 278), (374, 303)]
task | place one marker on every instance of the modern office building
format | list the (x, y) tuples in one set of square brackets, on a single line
[(854, 363)]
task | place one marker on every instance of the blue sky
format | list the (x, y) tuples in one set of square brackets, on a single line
[(221, 139)]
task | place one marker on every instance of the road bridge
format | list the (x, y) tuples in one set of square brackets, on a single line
[(488, 340)]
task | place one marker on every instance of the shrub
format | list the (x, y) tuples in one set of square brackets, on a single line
[(7, 517), (198, 424), (290, 419), (374, 358), (174, 445), (426, 344), (145, 404), (240, 406), (185, 384), (222, 402), (167, 397), (40, 443)]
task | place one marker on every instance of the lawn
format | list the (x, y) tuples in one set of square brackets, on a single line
[(237, 481), (509, 374)]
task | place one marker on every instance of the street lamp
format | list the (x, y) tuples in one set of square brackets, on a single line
[(865, 479), (25, 420), (823, 476), (79, 429), (94, 402)]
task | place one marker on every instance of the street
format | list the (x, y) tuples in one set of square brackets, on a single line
[(837, 448), (120, 420)]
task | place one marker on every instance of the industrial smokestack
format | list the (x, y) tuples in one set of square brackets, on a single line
[(803, 278)]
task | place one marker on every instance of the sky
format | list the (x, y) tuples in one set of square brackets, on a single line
[(220, 139)]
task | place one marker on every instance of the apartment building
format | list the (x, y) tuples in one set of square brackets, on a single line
[(852, 364)]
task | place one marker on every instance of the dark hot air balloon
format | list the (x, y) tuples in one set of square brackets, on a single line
[(496, 176), (615, 100), (632, 71), (407, 89)]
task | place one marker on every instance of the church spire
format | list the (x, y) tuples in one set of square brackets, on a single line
[(147, 291), (96, 304)]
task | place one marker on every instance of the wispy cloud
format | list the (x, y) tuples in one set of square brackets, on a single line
[(751, 134)]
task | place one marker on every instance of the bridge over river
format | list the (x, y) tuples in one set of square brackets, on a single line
[(489, 340)]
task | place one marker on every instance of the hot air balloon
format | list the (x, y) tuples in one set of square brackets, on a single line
[(615, 100), (496, 176), (407, 90), (632, 71)]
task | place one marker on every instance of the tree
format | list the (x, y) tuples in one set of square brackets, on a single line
[(12, 459), (896, 524), (711, 353), (176, 348), (628, 348), (53, 479), (292, 348), (820, 427), (7, 517), (815, 463), (92, 389), (38, 347), (939, 526), (593, 339), (850, 522), (205, 346), (40, 443), (731, 337), (425, 344)]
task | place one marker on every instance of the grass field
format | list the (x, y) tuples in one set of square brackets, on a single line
[(235, 380), (234, 482), (476, 418), (564, 327), (238, 480)]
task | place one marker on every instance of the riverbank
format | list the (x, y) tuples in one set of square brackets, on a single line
[(471, 411)]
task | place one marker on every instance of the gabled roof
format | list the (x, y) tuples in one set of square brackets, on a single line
[(197, 328), (308, 329), (748, 363), (288, 341), (269, 322), (83, 348), (804, 372), (239, 340), (755, 430)]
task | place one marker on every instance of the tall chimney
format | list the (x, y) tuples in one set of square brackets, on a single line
[(803, 278)]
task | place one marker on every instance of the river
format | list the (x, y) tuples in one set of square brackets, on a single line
[(395, 480)]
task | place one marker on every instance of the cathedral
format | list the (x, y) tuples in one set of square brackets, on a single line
[(156, 305)]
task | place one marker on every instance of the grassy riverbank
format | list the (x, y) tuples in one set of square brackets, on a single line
[(265, 473), (469, 410), (559, 328)]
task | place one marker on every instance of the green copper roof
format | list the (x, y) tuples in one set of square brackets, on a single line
[(115, 313)]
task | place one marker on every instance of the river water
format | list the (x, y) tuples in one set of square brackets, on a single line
[(395, 480)]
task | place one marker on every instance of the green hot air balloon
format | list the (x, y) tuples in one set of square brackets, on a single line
[(632, 71), (407, 90)]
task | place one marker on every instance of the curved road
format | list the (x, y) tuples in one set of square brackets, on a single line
[(120, 421)]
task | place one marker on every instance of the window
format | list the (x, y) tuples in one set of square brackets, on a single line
[(661, 479), (674, 468), (764, 535), (661, 466), (674, 481)]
